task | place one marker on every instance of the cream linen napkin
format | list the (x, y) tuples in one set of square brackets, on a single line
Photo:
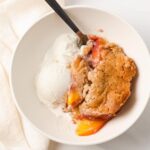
[(16, 16)]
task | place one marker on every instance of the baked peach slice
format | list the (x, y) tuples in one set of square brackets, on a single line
[(98, 42), (87, 127), (74, 97)]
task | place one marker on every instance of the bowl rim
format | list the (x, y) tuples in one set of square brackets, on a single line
[(30, 121)]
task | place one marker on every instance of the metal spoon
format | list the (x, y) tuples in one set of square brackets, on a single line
[(58, 9)]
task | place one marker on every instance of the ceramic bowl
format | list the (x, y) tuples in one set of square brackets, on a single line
[(29, 55)]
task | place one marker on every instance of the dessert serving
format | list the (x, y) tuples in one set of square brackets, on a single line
[(97, 82), (100, 86)]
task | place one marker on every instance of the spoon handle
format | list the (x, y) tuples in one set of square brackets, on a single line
[(57, 8)]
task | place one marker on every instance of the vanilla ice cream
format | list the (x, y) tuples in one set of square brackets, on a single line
[(53, 77)]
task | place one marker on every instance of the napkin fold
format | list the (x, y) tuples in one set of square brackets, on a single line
[(16, 16)]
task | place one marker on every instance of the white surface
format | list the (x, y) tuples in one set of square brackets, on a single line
[(23, 73), (136, 12), (22, 14), (16, 16)]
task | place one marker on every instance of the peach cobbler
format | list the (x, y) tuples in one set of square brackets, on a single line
[(101, 80)]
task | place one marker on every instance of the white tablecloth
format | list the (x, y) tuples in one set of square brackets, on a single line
[(16, 16)]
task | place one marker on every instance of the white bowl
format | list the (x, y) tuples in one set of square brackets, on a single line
[(29, 54)]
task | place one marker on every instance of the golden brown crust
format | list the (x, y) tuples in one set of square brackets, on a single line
[(104, 86), (79, 71), (110, 83)]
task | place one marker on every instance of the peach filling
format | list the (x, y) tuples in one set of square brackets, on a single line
[(73, 96), (87, 127)]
